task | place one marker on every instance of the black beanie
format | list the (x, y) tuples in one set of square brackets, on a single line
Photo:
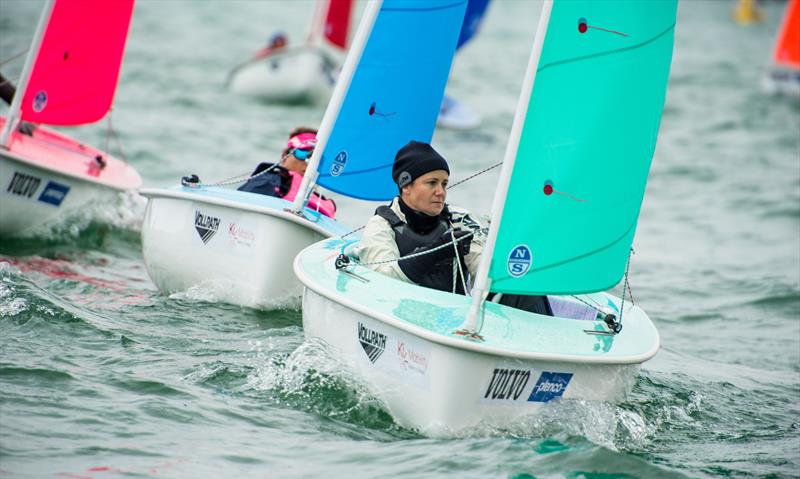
[(414, 160)]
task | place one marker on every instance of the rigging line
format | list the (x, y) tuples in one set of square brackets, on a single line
[(13, 57), (459, 272), (108, 132), (449, 187), (113, 133), (596, 308), (591, 299), (624, 287), (414, 255)]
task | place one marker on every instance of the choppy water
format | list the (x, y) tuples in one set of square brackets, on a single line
[(101, 376)]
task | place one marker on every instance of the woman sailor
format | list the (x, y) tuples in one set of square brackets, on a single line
[(420, 239)]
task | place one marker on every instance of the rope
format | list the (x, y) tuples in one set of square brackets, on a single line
[(414, 255), (457, 271), (476, 174), (624, 288), (235, 179), (13, 57), (596, 308)]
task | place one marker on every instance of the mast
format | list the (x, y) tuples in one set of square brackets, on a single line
[(13, 112), (482, 281), (335, 104)]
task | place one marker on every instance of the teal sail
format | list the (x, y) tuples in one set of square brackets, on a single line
[(393, 97), (585, 147)]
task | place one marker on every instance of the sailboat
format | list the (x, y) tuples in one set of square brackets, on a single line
[(69, 78), (303, 74), (241, 245), (784, 77), (563, 220)]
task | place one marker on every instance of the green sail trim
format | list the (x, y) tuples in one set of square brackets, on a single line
[(585, 149)]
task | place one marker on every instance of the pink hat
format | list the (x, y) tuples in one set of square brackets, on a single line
[(302, 141)]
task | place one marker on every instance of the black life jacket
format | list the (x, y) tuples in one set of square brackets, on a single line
[(440, 274), (274, 183)]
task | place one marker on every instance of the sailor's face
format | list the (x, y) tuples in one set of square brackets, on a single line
[(427, 193), (291, 163)]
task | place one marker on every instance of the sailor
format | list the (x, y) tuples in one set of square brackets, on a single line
[(421, 239), (441, 244), (282, 180), (7, 92)]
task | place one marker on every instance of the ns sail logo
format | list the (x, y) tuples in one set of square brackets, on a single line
[(519, 261)]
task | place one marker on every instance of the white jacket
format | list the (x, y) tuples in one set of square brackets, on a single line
[(378, 243)]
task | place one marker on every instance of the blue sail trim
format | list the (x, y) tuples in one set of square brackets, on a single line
[(472, 20), (393, 96)]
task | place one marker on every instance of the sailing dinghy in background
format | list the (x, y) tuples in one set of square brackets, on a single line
[(300, 74), (241, 245), (784, 76), (577, 162), (69, 78)]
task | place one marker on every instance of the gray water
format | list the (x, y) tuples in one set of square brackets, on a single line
[(101, 376)]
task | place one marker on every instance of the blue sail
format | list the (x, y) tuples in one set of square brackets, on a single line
[(585, 147), (472, 20), (393, 97)]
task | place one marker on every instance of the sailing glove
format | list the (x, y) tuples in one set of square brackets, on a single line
[(417, 267)]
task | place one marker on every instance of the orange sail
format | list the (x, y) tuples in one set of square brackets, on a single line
[(787, 46), (75, 73)]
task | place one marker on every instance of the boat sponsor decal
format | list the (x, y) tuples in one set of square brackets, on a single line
[(54, 193), (339, 163), (241, 235), (39, 101), (372, 342), (519, 261), (507, 384), (550, 386), (412, 357), (206, 226), (22, 184)]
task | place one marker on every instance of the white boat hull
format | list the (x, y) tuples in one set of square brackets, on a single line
[(300, 75), (223, 249), (48, 177), (444, 391), (784, 82), (400, 338)]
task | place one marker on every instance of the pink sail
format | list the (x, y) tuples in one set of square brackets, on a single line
[(75, 74), (337, 22)]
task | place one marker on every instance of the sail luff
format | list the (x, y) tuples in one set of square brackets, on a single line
[(481, 287), (14, 111), (335, 104)]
